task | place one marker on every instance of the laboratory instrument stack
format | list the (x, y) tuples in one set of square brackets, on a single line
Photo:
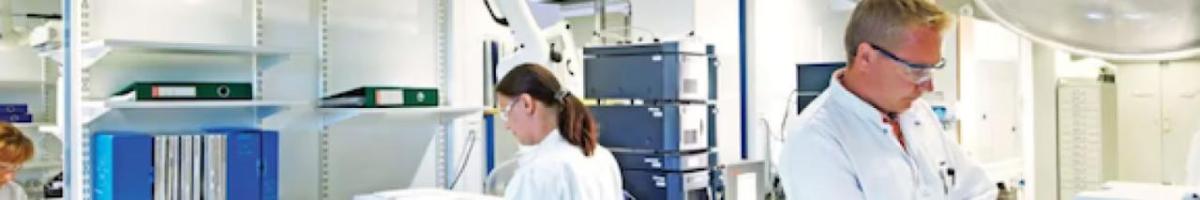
[(654, 104)]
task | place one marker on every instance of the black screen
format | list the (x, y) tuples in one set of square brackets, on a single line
[(811, 80)]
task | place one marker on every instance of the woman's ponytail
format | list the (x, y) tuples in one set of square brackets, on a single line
[(575, 122)]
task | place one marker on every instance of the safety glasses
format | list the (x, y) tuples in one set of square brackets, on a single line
[(920, 73), (504, 112)]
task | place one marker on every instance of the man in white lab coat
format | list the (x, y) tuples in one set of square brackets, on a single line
[(869, 136)]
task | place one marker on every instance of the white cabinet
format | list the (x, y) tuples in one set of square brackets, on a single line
[(1181, 116), (1087, 135), (1140, 109), (1159, 112)]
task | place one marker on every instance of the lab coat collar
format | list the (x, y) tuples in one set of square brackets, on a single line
[(547, 144), (854, 104)]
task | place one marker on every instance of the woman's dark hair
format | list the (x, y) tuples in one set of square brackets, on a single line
[(575, 121)]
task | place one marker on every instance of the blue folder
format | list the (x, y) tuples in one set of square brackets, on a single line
[(122, 166), (270, 165), (16, 117), (14, 108), (253, 163), (241, 166)]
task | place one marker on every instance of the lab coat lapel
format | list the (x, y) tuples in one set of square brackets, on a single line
[(926, 146), (924, 135), (883, 167)]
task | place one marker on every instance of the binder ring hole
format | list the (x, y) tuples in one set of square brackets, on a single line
[(223, 91)]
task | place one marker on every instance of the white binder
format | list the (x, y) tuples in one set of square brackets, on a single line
[(160, 167)]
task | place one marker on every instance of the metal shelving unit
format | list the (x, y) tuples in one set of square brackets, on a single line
[(323, 60), (445, 138), (201, 104), (335, 115), (100, 48), (24, 84), (444, 115), (45, 90), (35, 125), (186, 47), (90, 51)]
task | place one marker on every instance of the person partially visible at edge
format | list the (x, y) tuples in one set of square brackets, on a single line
[(15, 150)]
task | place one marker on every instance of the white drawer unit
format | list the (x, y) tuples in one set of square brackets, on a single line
[(1087, 147)]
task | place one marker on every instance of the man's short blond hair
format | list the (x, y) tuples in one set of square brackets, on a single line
[(883, 22), (14, 146)]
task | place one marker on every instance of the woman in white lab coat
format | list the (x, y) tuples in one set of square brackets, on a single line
[(560, 158)]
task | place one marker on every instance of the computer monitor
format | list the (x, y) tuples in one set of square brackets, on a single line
[(811, 80)]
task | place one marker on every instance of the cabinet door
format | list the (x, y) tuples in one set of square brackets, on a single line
[(1181, 110), (990, 96), (1139, 111)]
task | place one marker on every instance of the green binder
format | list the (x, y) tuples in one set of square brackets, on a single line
[(188, 91), (383, 97)]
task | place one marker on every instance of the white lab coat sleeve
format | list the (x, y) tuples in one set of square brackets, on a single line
[(12, 191), (540, 183), (815, 166), (972, 181), (618, 183)]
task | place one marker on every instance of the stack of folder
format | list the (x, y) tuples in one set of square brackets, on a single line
[(15, 113), (225, 163)]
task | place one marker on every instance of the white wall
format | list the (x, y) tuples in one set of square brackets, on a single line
[(223, 22), (773, 30), (664, 19), (820, 27), (717, 23), (782, 34)]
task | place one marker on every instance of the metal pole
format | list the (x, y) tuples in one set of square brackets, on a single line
[(601, 7)]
